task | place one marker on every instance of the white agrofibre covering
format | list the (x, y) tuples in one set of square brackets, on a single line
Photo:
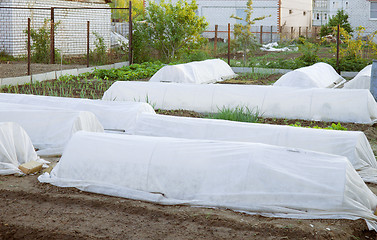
[(49, 128), (263, 179), (111, 114), (319, 75), (208, 71), (15, 148), (361, 80), (351, 144), (339, 105)]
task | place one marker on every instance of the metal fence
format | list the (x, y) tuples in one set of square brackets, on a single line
[(65, 35)]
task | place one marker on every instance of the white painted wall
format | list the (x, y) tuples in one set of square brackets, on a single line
[(71, 33)]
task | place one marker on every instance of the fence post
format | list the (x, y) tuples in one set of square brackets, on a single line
[(261, 35), (215, 40), (299, 31), (130, 34), (87, 43), (271, 33), (291, 33), (228, 43), (281, 33), (337, 49), (315, 34), (52, 38), (306, 33), (28, 47)]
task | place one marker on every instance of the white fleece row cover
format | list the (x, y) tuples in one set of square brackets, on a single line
[(111, 114), (49, 128), (208, 71), (15, 148), (258, 178), (319, 75), (351, 144), (361, 80), (339, 105)]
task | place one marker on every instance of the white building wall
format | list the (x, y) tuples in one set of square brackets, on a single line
[(359, 15), (296, 13), (70, 36)]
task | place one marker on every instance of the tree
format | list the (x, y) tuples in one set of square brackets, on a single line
[(341, 18), (172, 29), (244, 38), (137, 9)]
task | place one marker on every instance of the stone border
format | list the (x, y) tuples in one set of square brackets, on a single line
[(55, 74)]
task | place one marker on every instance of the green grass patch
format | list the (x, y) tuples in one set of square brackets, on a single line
[(239, 114)]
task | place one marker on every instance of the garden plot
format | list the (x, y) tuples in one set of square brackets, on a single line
[(49, 128), (15, 148), (208, 71), (112, 115), (257, 178), (361, 80), (351, 144), (319, 75), (339, 105)]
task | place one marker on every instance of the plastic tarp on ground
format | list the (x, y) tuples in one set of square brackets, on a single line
[(208, 71), (361, 80), (15, 148), (339, 105), (351, 144), (258, 178), (112, 115), (319, 75), (49, 128)]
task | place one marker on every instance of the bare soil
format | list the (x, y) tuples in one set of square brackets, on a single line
[(17, 69)]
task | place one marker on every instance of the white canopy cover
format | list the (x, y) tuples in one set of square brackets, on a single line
[(49, 128), (339, 105), (258, 178), (319, 75), (208, 71), (111, 114), (15, 148), (351, 144), (361, 80)]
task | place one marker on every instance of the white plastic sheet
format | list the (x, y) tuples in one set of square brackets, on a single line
[(15, 148), (351, 144), (49, 128), (112, 115), (361, 80), (208, 71), (270, 180), (339, 105), (319, 75)]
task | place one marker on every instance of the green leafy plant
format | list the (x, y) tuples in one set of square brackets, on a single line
[(40, 44), (239, 114), (309, 52), (172, 29), (243, 37), (99, 54), (341, 18), (333, 126)]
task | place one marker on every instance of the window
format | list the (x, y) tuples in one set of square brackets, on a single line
[(317, 16), (346, 5), (290, 11), (304, 13), (325, 16), (241, 14), (373, 10)]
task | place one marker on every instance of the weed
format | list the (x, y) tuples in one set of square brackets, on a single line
[(239, 114)]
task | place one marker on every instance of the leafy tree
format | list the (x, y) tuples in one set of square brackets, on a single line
[(172, 30), (137, 9), (244, 38), (340, 18)]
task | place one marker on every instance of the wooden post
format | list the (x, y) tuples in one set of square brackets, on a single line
[(52, 38), (306, 33), (315, 34), (215, 41), (291, 33), (228, 43), (299, 31), (130, 57), (271, 33), (337, 49), (261, 35), (28, 47), (87, 43)]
